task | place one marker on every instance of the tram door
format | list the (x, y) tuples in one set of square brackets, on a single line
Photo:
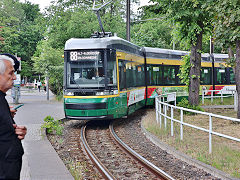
[(122, 74)]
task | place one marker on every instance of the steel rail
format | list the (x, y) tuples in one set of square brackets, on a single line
[(154, 169), (102, 169)]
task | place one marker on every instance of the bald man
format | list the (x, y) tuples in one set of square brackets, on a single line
[(11, 150)]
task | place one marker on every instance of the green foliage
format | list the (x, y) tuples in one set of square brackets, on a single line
[(52, 126), (185, 103), (231, 62), (152, 34), (10, 17), (49, 62), (75, 19), (56, 80), (226, 21), (185, 70), (27, 70), (21, 31), (190, 18)]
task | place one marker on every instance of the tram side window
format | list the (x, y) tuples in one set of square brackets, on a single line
[(232, 76), (206, 77), (140, 75), (122, 74), (178, 81), (221, 76), (148, 75), (134, 74), (155, 73), (169, 75), (131, 81), (111, 69)]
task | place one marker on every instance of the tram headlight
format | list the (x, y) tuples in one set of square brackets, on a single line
[(102, 93), (69, 93), (115, 92)]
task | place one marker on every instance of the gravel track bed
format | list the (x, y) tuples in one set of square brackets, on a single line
[(71, 151), (120, 164), (130, 132)]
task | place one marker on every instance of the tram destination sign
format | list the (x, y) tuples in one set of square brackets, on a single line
[(84, 55)]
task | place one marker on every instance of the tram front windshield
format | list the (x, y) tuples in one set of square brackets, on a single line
[(91, 69)]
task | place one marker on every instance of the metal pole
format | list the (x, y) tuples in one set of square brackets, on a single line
[(156, 108), (160, 113), (181, 127), (128, 20), (165, 117), (210, 134), (212, 96), (235, 100), (202, 96), (175, 103), (47, 88), (171, 121), (221, 96), (212, 58)]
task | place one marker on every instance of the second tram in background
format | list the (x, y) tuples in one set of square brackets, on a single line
[(107, 78)]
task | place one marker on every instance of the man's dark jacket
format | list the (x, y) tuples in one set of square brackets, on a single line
[(11, 149)]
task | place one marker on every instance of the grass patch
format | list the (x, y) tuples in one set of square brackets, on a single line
[(59, 97), (53, 126), (225, 153), (217, 101), (76, 169)]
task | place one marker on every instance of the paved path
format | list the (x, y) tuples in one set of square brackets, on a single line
[(40, 161)]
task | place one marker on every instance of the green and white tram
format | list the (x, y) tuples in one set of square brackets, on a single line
[(91, 82), (107, 78)]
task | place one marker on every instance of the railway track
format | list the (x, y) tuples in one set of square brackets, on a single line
[(113, 158)]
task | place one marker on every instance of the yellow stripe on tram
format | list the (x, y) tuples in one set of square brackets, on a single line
[(107, 96)]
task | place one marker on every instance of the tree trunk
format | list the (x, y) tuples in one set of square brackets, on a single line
[(231, 55), (195, 60), (237, 75)]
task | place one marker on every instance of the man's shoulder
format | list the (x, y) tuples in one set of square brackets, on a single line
[(2, 100), (2, 106)]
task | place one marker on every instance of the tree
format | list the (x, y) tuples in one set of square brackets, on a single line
[(10, 15), (191, 20), (75, 19), (30, 32), (49, 62), (227, 33), (152, 34), (65, 20), (22, 29)]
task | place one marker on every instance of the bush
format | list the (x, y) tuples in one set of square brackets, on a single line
[(52, 126), (185, 103)]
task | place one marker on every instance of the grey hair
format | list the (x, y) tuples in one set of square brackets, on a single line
[(2, 63)]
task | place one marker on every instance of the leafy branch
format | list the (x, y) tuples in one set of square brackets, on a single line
[(185, 70)]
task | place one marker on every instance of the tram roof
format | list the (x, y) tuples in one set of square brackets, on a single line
[(99, 43), (165, 51), (177, 54), (123, 45)]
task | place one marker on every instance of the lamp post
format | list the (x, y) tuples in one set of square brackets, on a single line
[(47, 88), (128, 20), (47, 83)]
